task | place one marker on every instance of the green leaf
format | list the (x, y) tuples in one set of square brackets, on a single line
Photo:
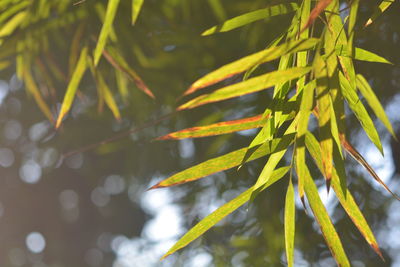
[(250, 17), (289, 223), (12, 24), (225, 162), (361, 54), (106, 29), (374, 103), (223, 211), (359, 110), (385, 4), (246, 87), (247, 62), (218, 128), (73, 86), (344, 196), (321, 215), (118, 62), (136, 7)]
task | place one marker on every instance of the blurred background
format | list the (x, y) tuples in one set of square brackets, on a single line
[(91, 208)]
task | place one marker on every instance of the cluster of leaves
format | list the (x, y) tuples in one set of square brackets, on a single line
[(315, 78), (25, 28)]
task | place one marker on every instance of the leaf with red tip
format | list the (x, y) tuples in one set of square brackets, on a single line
[(218, 128), (317, 10), (247, 87), (344, 195), (250, 61), (224, 162), (223, 211)]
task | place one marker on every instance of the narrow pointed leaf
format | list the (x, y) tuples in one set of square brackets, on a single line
[(289, 224), (224, 162), (246, 87), (248, 62), (112, 7), (223, 211), (345, 197), (361, 54), (317, 10), (360, 159), (359, 110), (218, 128), (321, 215), (250, 17), (118, 62), (73, 86), (12, 24), (374, 102), (136, 7), (385, 4)]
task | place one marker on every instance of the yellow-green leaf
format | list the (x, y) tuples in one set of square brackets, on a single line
[(321, 215), (359, 110), (250, 17), (361, 54), (218, 128), (112, 7), (385, 4), (246, 87), (247, 62), (223, 211), (289, 223), (136, 7), (225, 162), (374, 102), (73, 85), (344, 196), (12, 24)]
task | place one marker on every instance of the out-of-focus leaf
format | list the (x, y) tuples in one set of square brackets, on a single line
[(4, 64), (112, 7), (218, 9), (321, 215), (361, 54), (374, 102), (116, 60), (321, 71), (359, 110), (317, 10), (34, 90), (12, 24), (75, 45), (385, 4), (289, 223), (247, 62), (218, 128), (213, 218), (360, 159), (73, 86), (344, 196), (224, 162), (250, 17), (122, 83), (136, 7), (12, 10), (246, 87)]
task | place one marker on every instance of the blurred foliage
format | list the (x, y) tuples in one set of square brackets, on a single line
[(76, 57)]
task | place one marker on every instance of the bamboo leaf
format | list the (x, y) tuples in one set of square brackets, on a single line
[(225, 162), (118, 62), (73, 86), (361, 54), (317, 10), (374, 103), (289, 223), (385, 4), (136, 7), (250, 17), (328, 230), (246, 87), (112, 7), (359, 110), (218, 128), (344, 196), (223, 211), (360, 159), (12, 24), (247, 62)]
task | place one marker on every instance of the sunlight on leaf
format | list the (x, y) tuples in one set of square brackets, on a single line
[(136, 7), (290, 223), (385, 4)]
